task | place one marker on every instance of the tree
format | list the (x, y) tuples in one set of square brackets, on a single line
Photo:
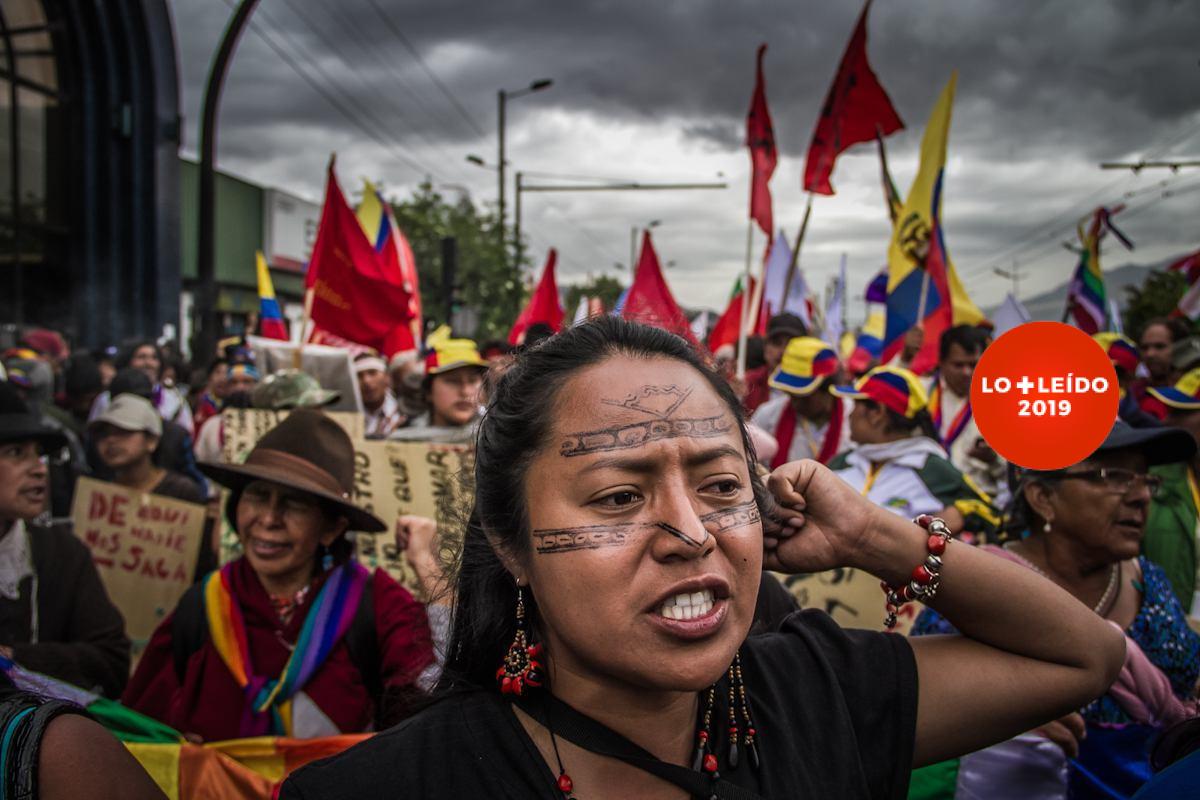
[(1156, 297), (606, 287), (485, 281)]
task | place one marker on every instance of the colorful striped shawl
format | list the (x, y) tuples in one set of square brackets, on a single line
[(957, 425), (269, 699)]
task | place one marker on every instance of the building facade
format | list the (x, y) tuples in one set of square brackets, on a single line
[(89, 179)]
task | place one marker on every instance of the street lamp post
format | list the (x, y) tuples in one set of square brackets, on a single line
[(502, 98), (206, 295)]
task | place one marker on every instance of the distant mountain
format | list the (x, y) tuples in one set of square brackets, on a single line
[(1050, 303)]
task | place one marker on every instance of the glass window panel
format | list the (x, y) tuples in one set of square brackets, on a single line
[(6, 146), (35, 60), (32, 144), (23, 13), (39, 69)]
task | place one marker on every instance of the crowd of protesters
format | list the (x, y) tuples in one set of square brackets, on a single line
[(294, 637)]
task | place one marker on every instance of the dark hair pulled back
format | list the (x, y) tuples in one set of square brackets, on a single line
[(515, 428)]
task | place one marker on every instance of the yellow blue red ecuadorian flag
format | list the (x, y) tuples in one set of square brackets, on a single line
[(923, 286), (892, 387), (805, 363), (1185, 394), (269, 316), (869, 344), (396, 254)]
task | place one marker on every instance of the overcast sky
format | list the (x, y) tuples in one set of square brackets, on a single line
[(658, 92)]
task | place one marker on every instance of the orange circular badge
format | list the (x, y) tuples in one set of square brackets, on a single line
[(1044, 395)]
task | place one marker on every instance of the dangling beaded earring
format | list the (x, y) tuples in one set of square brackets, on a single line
[(1046, 527), (742, 738), (326, 558), (521, 667)]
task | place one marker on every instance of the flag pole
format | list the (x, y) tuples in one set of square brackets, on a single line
[(787, 286), (741, 362), (297, 356)]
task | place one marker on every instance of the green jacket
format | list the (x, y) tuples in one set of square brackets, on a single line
[(1170, 539)]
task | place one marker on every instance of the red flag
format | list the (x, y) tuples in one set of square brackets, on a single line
[(760, 138), (1189, 265), (726, 329), (543, 306), (855, 109), (649, 301), (355, 296)]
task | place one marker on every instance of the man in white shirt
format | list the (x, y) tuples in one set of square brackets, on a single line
[(959, 350), (380, 408), (807, 421)]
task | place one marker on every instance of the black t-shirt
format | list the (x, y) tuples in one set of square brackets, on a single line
[(835, 713)]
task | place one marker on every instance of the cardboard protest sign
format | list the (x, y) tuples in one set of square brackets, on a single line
[(333, 367), (245, 426), (852, 597), (397, 478), (391, 479), (144, 546)]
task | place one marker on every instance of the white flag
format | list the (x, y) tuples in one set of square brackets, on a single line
[(581, 311), (833, 311), (1010, 314), (778, 263), (1114, 316)]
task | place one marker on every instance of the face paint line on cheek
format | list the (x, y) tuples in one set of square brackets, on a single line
[(548, 541), (727, 519), (587, 537)]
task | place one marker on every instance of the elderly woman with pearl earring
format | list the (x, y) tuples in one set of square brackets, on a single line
[(1082, 528)]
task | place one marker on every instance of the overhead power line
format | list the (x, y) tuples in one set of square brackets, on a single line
[(333, 101), (399, 34), (366, 45), (336, 52)]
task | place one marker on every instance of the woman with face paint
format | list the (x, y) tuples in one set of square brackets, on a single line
[(607, 584)]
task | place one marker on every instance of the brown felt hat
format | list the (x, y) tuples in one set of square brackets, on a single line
[(307, 451)]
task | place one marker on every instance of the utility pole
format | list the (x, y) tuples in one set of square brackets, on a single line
[(206, 297)]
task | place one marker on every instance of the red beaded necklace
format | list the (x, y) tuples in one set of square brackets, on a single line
[(740, 737)]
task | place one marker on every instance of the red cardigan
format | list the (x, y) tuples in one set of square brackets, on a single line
[(208, 702)]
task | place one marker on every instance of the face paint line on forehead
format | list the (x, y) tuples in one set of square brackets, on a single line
[(637, 434), (657, 401)]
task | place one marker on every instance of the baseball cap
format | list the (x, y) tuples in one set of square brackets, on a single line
[(291, 388), (450, 354), (130, 412)]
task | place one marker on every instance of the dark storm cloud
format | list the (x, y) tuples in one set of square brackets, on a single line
[(1042, 85)]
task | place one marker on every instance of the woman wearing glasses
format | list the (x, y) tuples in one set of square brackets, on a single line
[(1082, 528)]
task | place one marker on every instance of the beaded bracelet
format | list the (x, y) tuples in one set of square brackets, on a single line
[(926, 577)]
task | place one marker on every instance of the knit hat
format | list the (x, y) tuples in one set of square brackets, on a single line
[(892, 387), (806, 361)]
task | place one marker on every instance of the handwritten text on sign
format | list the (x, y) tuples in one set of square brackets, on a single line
[(144, 546)]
